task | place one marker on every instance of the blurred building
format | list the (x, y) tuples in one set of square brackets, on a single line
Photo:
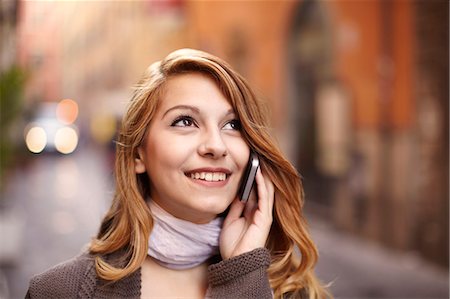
[(358, 91), (12, 80), (8, 22), (39, 50), (108, 45)]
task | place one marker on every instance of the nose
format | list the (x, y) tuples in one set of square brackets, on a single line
[(212, 145)]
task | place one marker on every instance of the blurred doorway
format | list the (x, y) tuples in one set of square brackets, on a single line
[(318, 108)]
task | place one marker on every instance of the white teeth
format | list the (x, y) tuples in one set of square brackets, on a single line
[(215, 176), (209, 176)]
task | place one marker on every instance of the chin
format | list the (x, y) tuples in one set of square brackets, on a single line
[(216, 207)]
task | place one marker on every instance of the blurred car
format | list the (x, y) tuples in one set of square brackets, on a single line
[(47, 133)]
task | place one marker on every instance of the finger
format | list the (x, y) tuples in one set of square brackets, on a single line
[(270, 194), (262, 192), (251, 205), (235, 211), (267, 195)]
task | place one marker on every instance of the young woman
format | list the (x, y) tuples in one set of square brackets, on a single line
[(176, 227)]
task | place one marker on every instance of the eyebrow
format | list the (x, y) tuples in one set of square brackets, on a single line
[(182, 107), (192, 108)]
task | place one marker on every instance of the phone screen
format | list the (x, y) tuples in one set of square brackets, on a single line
[(248, 178)]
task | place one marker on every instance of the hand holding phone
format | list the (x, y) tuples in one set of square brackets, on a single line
[(241, 231), (248, 178)]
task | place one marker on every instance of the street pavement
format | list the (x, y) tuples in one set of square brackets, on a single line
[(357, 268), (52, 207)]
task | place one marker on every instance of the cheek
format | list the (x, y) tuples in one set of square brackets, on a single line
[(167, 154), (241, 153)]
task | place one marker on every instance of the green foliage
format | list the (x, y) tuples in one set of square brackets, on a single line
[(12, 83)]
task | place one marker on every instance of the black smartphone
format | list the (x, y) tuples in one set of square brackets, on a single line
[(248, 178)]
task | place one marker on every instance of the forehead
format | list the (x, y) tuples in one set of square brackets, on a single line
[(192, 89)]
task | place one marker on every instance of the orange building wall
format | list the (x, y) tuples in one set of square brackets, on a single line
[(403, 101), (357, 44), (378, 82), (379, 79)]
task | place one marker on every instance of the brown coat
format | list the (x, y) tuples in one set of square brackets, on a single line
[(243, 276)]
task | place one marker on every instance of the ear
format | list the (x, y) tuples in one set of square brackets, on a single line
[(139, 166)]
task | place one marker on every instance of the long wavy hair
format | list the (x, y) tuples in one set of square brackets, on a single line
[(128, 223)]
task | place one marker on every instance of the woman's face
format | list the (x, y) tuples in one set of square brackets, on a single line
[(194, 153)]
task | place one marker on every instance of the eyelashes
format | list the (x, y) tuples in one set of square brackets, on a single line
[(234, 124), (189, 121), (183, 121)]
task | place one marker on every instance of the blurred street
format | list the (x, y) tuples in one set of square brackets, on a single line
[(55, 205), (359, 269)]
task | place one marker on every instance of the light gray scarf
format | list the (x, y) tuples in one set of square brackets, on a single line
[(179, 244)]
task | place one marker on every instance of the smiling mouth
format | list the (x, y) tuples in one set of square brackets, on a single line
[(208, 176)]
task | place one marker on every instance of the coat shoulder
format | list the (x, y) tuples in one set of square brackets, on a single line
[(63, 280)]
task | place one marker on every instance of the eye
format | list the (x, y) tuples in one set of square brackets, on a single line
[(183, 121), (234, 124)]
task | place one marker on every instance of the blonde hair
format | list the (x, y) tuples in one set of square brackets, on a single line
[(128, 222)]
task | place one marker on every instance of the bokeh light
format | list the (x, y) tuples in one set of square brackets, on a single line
[(36, 139), (67, 111), (66, 140)]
